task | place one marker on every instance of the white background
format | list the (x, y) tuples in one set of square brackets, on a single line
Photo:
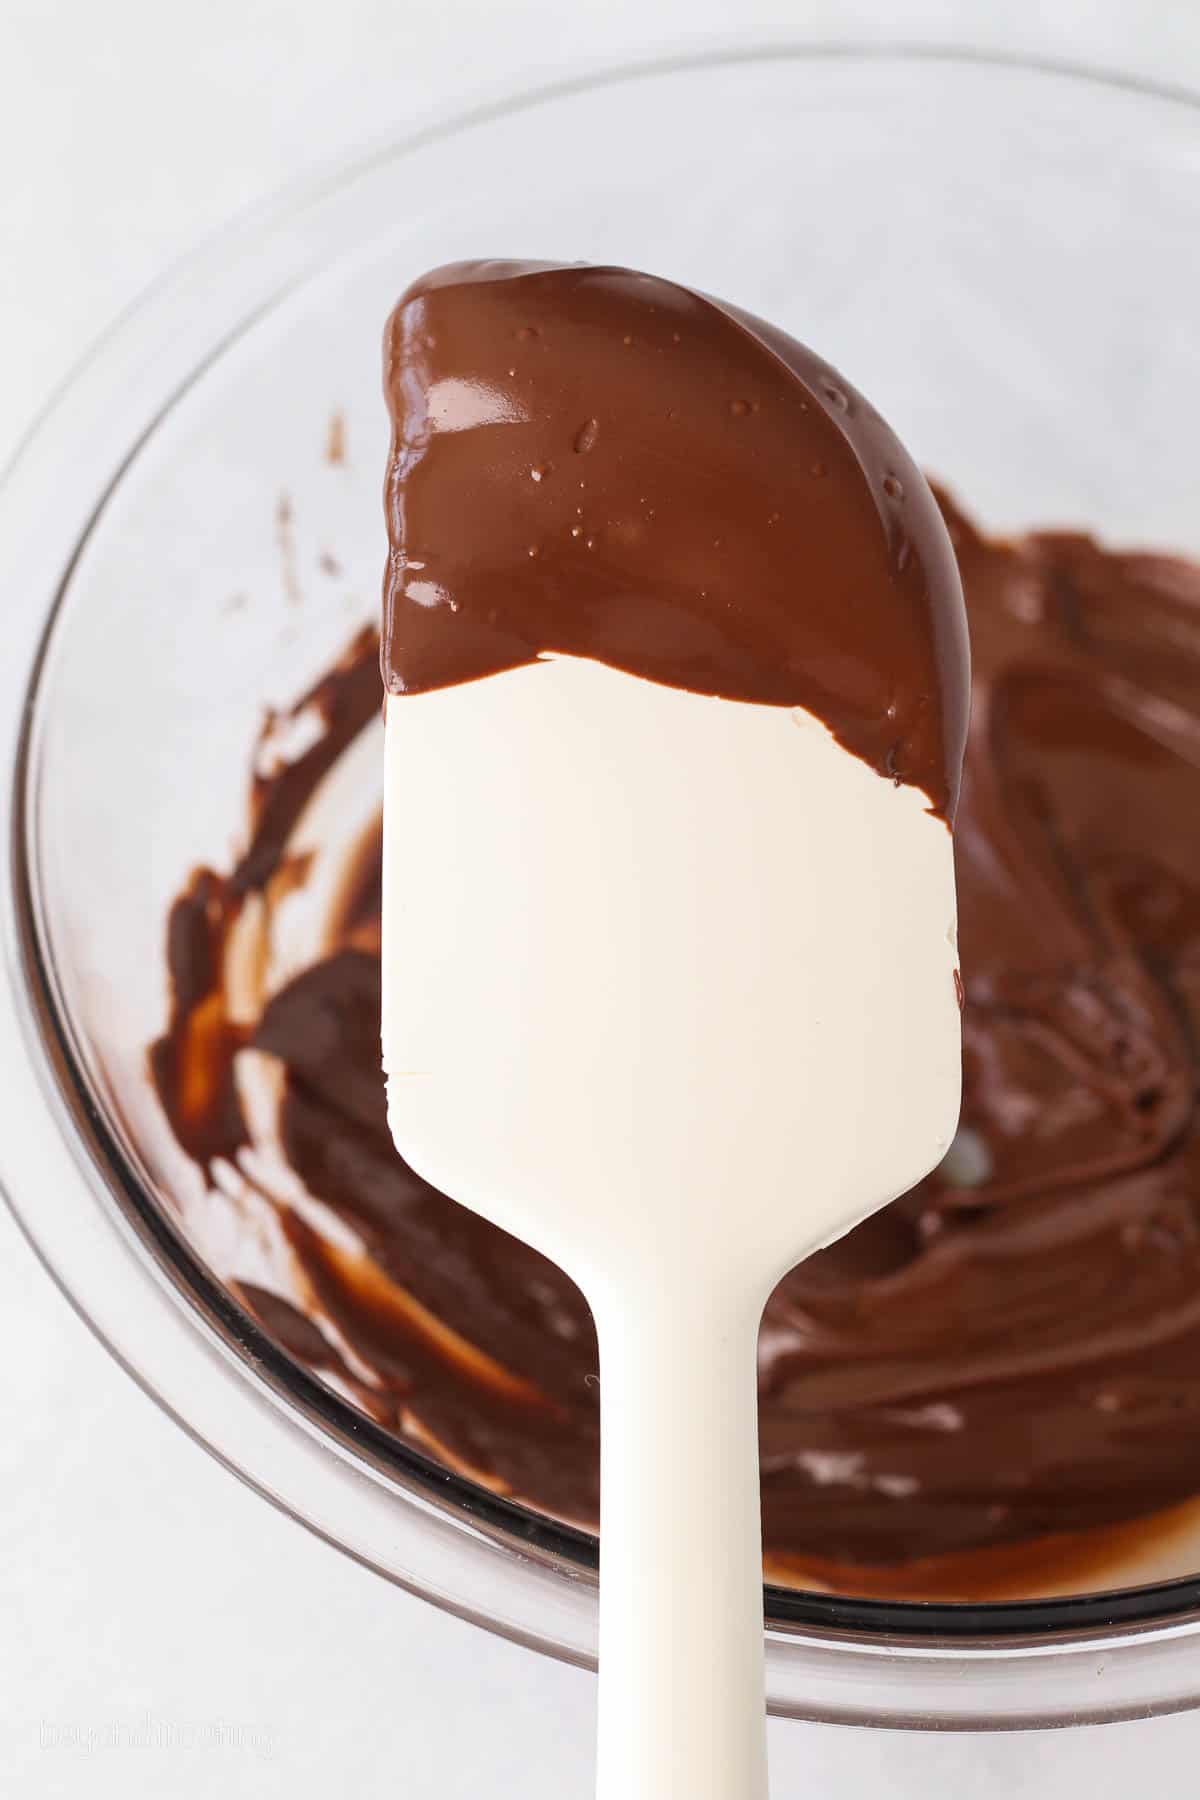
[(140, 1585)]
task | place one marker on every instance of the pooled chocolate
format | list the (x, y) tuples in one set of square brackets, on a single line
[(1009, 1351)]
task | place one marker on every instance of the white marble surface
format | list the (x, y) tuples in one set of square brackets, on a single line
[(162, 1631)]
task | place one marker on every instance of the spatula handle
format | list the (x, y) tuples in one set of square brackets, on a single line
[(681, 1701)]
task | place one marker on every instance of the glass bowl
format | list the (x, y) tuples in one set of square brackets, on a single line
[(1004, 256)]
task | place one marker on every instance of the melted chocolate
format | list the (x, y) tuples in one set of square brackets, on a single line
[(1007, 1352), (664, 483)]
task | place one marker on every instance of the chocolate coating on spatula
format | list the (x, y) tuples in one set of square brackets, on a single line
[(593, 462)]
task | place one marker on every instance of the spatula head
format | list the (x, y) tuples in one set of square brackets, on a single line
[(668, 966)]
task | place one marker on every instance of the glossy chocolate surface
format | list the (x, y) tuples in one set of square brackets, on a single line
[(600, 463)]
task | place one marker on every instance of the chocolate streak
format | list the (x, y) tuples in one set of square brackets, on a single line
[(1008, 1351), (599, 463)]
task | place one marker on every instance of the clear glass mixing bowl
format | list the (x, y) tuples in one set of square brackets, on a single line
[(1004, 256)]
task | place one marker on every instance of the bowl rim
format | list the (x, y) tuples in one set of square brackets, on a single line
[(35, 1031)]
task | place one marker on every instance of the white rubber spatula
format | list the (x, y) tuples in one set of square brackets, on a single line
[(668, 991)]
